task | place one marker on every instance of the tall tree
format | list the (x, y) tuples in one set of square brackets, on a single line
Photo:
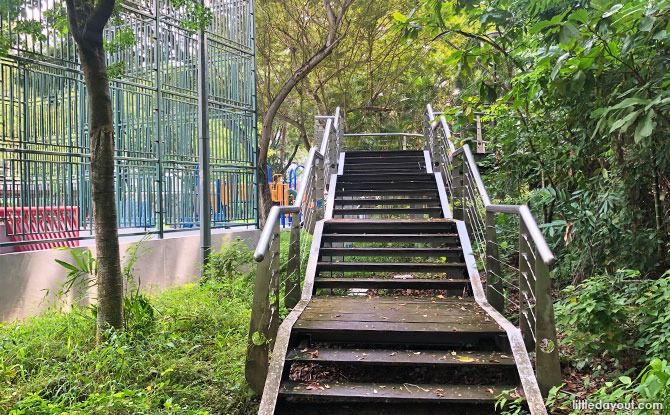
[(336, 28), (87, 20)]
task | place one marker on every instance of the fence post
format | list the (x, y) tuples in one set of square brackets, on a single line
[(525, 293), (494, 286), (275, 284), (332, 156), (466, 182), (547, 366), (427, 131), (264, 316), (456, 187), (292, 288), (319, 189)]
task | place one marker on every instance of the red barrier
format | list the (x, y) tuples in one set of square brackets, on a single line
[(38, 224)]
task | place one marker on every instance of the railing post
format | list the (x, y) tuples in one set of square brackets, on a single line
[(340, 136), (466, 182), (494, 286), (319, 128), (318, 193), (427, 131), (332, 157), (434, 147), (548, 366), (292, 288), (525, 324), (275, 283), (264, 316), (457, 184)]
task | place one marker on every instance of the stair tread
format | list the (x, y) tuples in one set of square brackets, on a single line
[(422, 315), (386, 178), (387, 192), (394, 211), (390, 283), (392, 237), (394, 252), (401, 357), (389, 408), (403, 265), (386, 392), (362, 226), (399, 320), (373, 174), (394, 202)]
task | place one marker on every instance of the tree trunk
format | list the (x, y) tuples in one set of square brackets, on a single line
[(110, 281), (87, 22)]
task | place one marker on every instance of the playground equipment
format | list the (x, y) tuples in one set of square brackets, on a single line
[(40, 224), (284, 192)]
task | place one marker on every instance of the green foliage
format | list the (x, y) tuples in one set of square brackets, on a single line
[(614, 317), (650, 387), (80, 275), (139, 313), (199, 16), (231, 260), (191, 363), (578, 91), (507, 405)]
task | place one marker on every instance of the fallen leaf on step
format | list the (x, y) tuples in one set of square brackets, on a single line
[(466, 359), (314, 354), (489, 390)]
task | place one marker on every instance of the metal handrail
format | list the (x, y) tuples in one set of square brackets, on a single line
[(277, 283), (276, 211), (535, 305), (382, 135), (441, 121), (521, 210)]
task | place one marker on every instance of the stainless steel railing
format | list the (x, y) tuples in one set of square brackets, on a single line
[(277, 287), (382, 141), (516, 275)]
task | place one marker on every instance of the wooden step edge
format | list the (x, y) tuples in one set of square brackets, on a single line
[(426, 265), (395, 252), (390, 392), (391, 283), (402, 357)]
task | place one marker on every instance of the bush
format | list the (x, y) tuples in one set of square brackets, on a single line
[(191, 361), (613, 315)]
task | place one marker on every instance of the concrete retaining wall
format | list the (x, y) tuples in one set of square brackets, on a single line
[(26, 277)]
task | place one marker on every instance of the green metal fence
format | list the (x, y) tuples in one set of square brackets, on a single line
[(44, 142)]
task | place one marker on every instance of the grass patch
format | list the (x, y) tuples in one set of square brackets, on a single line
[(190, 361)]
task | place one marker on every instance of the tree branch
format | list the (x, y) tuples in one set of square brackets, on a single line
[(72, 19), (484, 39), (101, 14)]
